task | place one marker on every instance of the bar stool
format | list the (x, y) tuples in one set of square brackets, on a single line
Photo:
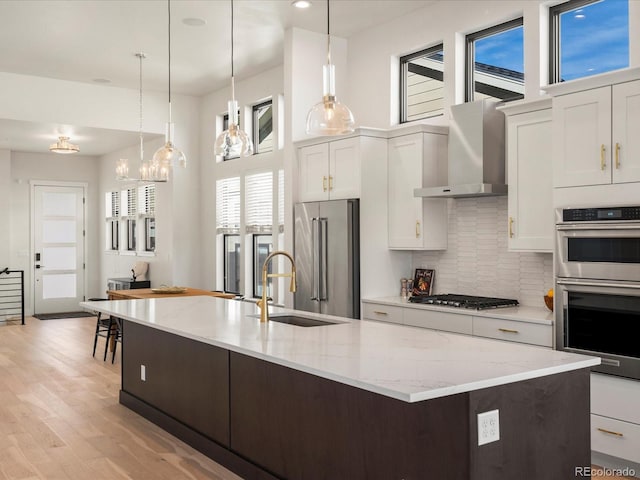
[(105, 327)]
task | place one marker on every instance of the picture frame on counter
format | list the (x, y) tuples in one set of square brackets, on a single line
[(423, 281)]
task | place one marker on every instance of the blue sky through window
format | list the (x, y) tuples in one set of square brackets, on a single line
[(594, 39), (504, 50)]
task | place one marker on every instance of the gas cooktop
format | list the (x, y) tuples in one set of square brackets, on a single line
[(464, 301)]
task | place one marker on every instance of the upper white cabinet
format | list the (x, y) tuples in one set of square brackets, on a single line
[(595, 139), (417, 160), (329, 171), (530, 203)]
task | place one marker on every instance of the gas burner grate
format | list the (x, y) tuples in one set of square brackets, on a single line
[(464, 301)]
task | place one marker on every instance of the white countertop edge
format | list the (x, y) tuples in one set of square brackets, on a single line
[(521, 313), (406, 397)]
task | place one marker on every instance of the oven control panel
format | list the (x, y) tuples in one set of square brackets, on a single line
[(600, 214)]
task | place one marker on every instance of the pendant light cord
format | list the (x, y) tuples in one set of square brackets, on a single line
[(169, 36), (328, 37), (233, 87), (141, 56)]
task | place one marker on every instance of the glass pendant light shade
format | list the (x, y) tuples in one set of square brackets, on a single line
[(168, 155), (122, 169), (233, 142), (329, 117)]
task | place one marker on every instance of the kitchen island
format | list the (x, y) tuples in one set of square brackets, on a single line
[(351, 400)]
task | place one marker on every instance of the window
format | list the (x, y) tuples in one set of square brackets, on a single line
[(263, 127), (112, 214), (259, 224), (228, 228), (421, 84), (225, 126), (130, 209), (147, 211), (588, 37), (495, 62)]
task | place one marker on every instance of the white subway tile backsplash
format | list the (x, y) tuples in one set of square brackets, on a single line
[(477, 261)]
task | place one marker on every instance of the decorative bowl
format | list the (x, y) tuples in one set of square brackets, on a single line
[(548, 301)]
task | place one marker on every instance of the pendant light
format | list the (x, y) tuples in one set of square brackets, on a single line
[(233, 142), (147, 171), (168, 155), (63, 146), (329, 117)]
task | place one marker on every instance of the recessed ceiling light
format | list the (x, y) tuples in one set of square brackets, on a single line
[(301, 3), (194, 22), (101, 80)]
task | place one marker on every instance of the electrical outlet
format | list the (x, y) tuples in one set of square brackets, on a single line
[(143, 373), (488, 427)]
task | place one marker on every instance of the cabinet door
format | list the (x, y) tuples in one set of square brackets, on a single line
[(405, 174), (313, 174), (582, 138), (344, 169), (531, 222), (626, 126)]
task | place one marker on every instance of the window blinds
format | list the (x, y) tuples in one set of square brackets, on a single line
[(129, 202), (228, 205), (147, 200), (259, 202), (280, 201), (112, 204)]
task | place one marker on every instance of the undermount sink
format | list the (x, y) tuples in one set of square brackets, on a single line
[(299, 321)]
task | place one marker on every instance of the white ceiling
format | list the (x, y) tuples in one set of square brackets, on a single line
[(97, 39)]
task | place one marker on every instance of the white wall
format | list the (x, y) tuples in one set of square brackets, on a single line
[(5, 208), (26, 167)]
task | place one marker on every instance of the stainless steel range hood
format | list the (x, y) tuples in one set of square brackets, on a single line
[(476, 160)]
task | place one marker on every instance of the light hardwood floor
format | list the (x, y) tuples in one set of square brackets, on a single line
[(60, 418)]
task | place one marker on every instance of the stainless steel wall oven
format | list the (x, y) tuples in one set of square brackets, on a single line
[(597, 300)]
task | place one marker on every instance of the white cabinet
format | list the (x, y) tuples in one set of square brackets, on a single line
[(615, 416), (530, 202), (416, 160), (595, 140), (436, 320), (513, 331), (329, 171), (382, 313)]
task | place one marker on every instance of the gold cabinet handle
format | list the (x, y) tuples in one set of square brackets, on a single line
[(508, 330), (324, 184), (417, 229), (510, 227), (377, 312), (610, 432), (330, 182), (617, 155), (603, 163)]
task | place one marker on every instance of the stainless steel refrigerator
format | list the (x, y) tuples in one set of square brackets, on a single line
[(327, 255)]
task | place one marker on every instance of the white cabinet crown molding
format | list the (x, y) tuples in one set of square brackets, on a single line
[(595, 81)]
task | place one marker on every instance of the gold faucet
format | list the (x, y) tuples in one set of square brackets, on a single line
[(262, 303)]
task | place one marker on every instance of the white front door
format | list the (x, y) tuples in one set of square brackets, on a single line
[(58, 230)]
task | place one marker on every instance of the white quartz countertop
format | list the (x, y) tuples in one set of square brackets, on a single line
[(406, 363), (520, 313)]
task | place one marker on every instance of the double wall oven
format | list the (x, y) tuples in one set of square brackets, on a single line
[(597, 300)]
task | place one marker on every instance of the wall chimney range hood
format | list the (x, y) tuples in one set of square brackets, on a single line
[(476, 160)]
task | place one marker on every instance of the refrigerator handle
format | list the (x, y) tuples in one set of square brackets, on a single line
[(315, 249), (322, 277)]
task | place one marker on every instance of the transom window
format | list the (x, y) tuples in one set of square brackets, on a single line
[(495, 62), (421, 84), (588, 37), (263, 127)]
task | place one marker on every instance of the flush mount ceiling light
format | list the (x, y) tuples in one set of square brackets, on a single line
[(168, 155), (329, 117), (63, 146), (233, 142), (301, 3)]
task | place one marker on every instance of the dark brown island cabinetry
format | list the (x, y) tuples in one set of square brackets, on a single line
[(267, 421)]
